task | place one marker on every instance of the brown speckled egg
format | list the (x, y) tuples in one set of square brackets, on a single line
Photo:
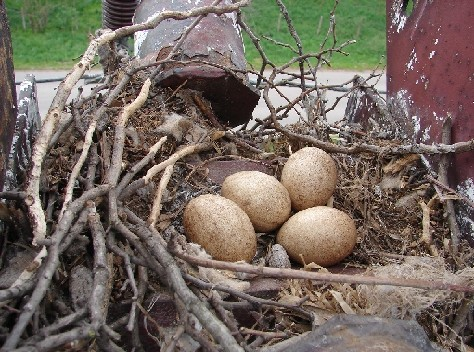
[(322, 235), (220, 227), (265, 200), (310, 176)]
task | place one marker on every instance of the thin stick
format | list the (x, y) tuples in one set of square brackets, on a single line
[(133, 284), (127, 111), (450, 190), (297, 39), (426, 237), (443, 178), (195, 306), (142, 288), (266, 334), (52, 343), (141, 182), (60, 324), (117, 152), (323, 277), (156, 209), (141, 164), (101, 270), (17, 291), (100, 295), (251, 300), (153, 263), (114, 248), (226, 316), (78, 166), (50, 265), (190, 149), (357, 148)]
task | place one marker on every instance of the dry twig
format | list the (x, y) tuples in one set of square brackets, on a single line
[(321, 277), (426, 237)]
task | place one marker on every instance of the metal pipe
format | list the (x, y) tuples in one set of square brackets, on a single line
[(118, 13), (216, 40)]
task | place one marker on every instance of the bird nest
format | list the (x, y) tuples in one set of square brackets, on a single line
[(110, 267)]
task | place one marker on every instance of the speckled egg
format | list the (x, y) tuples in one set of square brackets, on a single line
[(322, 235), (265, 200), (220, 227), (310, 176)]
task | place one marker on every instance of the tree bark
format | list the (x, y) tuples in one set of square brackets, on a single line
[(8, 106)]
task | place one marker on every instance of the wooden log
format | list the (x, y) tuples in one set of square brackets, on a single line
[(7, 93)]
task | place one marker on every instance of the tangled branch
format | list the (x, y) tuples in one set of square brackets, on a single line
[(108, 184)]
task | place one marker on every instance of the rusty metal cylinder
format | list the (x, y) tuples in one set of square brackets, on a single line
[(430, 77), (118, 13), (215, 42)]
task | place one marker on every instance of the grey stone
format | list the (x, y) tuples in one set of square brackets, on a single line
[(355, 333)]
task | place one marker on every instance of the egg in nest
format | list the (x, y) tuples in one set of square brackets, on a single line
[(265, 200), (310, 176), (322, 235), (220, 227)]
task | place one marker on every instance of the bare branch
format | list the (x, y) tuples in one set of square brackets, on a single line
[(156, 209), (215, 327), (50, 265), (459, 147), (322, 277)]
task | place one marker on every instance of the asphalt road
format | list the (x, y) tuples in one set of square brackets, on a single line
[(47, 91)]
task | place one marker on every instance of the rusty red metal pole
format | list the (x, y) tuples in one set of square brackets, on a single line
[(430, 76), (216, 40)]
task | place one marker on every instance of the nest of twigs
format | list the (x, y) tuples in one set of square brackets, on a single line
[(111, 268)]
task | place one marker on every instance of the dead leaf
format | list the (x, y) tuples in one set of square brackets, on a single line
[(342, 303), (397, 165)]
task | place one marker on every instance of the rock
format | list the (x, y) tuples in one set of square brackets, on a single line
[(277, 257), (354, 333)]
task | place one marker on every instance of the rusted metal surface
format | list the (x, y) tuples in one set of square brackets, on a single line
[(430, 76), (7, 93), (118, 13), (216, 40)]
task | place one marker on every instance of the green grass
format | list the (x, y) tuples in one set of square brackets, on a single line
[(361, 20), (71, 22), (64, 39)]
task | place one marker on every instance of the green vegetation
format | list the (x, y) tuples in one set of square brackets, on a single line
[(362, 20), (53, 33)]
